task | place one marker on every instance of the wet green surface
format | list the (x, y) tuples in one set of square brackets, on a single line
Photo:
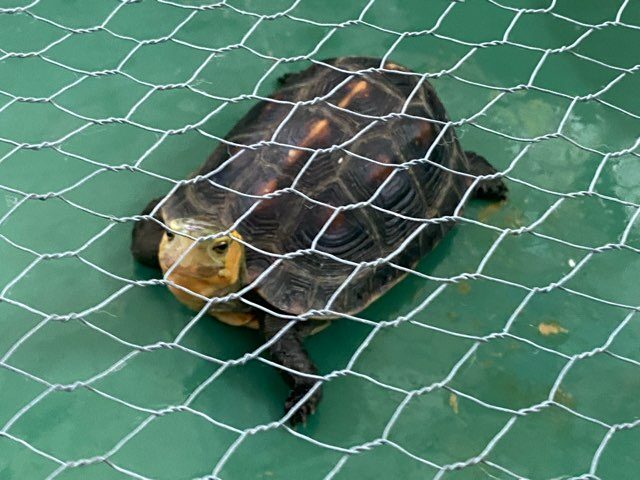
[(502, 373)]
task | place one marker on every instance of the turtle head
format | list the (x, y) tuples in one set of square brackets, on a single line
[(210, 267)]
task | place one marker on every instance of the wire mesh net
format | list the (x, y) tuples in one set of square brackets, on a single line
[(507, 353)]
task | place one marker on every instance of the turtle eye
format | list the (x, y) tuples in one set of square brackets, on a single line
[(170, 235), (220, 248)]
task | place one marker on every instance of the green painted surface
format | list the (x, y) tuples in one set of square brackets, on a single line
[(503, 372)]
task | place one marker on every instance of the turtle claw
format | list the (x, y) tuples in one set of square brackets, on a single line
[(490, 188), (306, 409), (493, 189)]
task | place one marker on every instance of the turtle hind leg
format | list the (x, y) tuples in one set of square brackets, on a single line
[(289, 352), (490, 189), (146, 236)]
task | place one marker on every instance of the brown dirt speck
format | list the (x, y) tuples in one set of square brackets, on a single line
[(453, 403), (551, 328)]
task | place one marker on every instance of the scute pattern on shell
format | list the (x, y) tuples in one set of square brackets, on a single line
[(371, 151)]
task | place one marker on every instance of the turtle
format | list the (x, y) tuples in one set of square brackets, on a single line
[(318, 201)]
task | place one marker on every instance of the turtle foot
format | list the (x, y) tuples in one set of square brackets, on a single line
[(308, 408), (491, 188)]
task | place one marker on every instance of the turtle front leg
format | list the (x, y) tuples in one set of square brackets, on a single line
[(289, 352)]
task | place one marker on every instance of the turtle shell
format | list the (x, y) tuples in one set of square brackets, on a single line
[(330, 184)]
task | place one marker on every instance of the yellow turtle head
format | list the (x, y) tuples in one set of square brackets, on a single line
[(211, 267)]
